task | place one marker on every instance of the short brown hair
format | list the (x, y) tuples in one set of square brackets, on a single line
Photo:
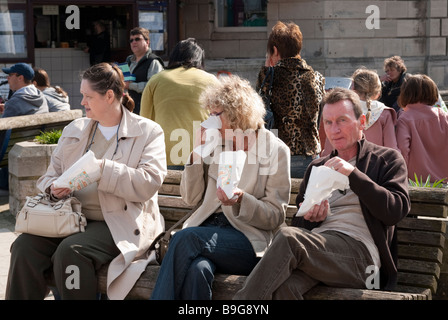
[(395, 62), (418, 88), (287, 38), (139, 30), (338, 94)]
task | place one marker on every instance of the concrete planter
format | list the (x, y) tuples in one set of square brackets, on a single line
[(27, 162)]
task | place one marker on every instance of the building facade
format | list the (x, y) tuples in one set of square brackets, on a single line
[(339, 36)]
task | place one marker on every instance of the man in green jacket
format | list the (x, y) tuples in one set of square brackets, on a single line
[(341, 247)]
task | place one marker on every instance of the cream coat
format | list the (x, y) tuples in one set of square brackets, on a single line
[(127, 191), (265, 180)]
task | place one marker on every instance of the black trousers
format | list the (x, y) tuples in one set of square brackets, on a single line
[(73, 260)]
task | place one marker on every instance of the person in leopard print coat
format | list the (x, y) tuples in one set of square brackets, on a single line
[(297, 92)]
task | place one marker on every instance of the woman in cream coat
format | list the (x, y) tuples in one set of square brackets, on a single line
[(227, 234), (121, 207)]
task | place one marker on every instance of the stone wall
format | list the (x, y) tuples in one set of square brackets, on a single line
[(336, 38), (27, 162)]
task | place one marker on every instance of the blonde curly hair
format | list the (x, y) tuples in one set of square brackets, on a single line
[(240, 103)]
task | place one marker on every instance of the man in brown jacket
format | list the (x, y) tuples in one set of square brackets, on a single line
[(340, 249)]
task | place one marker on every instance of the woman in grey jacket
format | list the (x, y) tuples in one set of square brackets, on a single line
[(57, 98)]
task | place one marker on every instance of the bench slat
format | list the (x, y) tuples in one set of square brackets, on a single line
[(420, 253), (429, 210), (329, 293), (428, 195), (415, 290), (172, 201), (170, 189), (421, 238), (418, 280), (410, 223), (425, 267), (173, 177)]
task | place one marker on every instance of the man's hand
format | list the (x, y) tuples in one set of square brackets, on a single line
[(318, 212), (340, 166)]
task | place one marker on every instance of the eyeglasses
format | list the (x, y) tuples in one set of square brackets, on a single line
[(13, 74), (135, 39), (217, 114)]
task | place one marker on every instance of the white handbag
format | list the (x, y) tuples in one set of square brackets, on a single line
[(56, 219)]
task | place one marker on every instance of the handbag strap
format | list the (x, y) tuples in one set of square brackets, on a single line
[(167, 234), (270, 76)]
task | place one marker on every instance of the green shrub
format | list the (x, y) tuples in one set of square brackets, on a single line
[(427, 183), (49, 137)]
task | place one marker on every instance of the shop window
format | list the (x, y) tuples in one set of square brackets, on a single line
[(241, 13), (152, 15), (13, 34)]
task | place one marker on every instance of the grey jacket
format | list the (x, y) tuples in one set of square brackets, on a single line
[(25, 101), (56, 101)]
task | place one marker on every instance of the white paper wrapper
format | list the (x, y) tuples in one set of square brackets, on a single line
[(83, 172), (322, 182), (213, 122), (231, 164), (212, 136)]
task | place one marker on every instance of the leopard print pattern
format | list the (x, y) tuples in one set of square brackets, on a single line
[(297, 93)]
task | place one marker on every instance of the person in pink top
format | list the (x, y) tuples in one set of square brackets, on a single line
[(380, 119), (422, 130)]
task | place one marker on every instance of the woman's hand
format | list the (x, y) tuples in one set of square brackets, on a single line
[(237, 197), (59, 193)]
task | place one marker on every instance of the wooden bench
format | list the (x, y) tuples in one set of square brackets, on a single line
[(421, 237), (25, 128)]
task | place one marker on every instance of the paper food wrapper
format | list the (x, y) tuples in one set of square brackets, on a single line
[(82, 173), (212, 136), (322, 182), (231, 164)]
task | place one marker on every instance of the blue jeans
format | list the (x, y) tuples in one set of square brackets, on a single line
[(195, 253), (299, 164)]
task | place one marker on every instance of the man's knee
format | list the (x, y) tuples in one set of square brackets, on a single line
[(291, 235)]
